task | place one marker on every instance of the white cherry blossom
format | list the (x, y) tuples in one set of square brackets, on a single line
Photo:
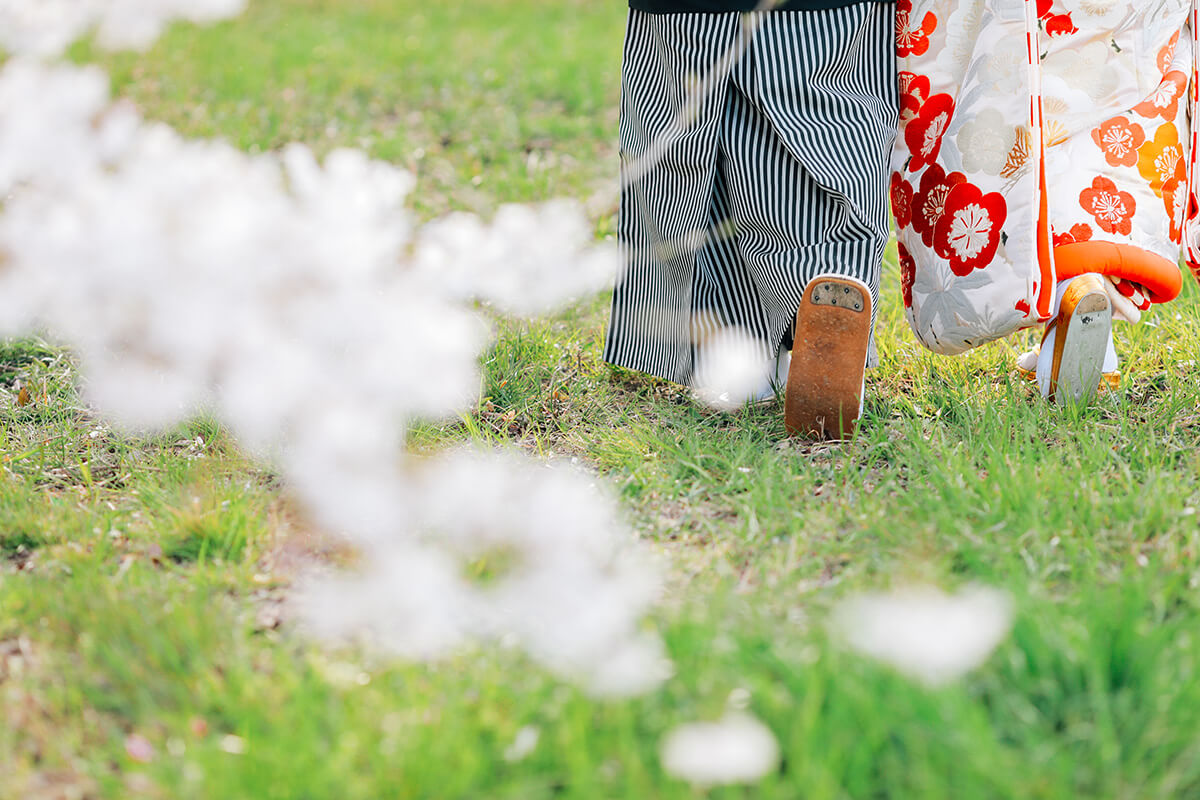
[(735, 749), (925, 633)]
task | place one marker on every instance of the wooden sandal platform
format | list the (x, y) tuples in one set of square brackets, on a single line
[(1082, 330), (829, 356)]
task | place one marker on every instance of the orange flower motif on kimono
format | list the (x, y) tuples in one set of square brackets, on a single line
[(1167, 54), (1158, 159), (968, 231), (908, 273), (1164, 102), (902, 200), (1175, 197), (1028, 125), (1112, 208), (914, 91), (911, 38), (930, 200), (1078, 233), (1120, 139), (924, 134)]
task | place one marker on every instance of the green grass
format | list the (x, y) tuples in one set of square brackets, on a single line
[(142, 580), (485, 101)]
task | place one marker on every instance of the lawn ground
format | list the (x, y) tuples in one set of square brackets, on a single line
[(141, 647)]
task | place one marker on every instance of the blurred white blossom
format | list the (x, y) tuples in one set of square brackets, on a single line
[(48, 122), (736, 749), (516, 262), (408, 600), (299, 301), (498, 548), (637, 664), (924, 632), (733, 367), (47, 27), (523, 744), (234, 745)]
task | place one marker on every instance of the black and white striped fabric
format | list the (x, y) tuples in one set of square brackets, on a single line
[(754, 156)]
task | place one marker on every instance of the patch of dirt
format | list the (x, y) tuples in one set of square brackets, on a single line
[(62, 784), (299, 548), (16, 657)]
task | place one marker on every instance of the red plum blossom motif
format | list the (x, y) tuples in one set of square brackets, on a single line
[(924, 134), (968, 231), (902, 200), (1120, 139), (914, 91), (1078, 233), (1112, 208), (908, 273), (912, 38), (1055, 24), (989, 156), (930, 200), (1060, 25)]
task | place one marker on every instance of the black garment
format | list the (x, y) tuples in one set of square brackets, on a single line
[(720, 6), (741, 186)]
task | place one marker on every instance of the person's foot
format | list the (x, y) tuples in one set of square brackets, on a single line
[(730, 373), (825, 379)]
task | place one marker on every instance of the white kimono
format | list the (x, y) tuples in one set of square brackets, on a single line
[(1030, 125)]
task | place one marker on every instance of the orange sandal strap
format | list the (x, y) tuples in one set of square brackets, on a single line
[(1161, 279)]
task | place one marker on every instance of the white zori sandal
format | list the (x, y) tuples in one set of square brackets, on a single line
[(824, 396), (1127, 302), (1078, 342)]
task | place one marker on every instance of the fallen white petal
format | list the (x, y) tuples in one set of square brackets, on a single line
[(737, 749), (924, 632)]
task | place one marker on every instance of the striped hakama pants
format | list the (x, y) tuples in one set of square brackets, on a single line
[(754, 156)]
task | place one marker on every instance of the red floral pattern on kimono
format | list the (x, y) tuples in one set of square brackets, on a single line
[(1120, 139), (912, 37), (1004, 114), (930, 201), (1175, 197), (1112, 208), (1166, 99), (1167, 54), (924, 134), (1078, 233), (914, 91), (968, 231), (902, 200), (1054, 24), (908, 273), (1142, 201)]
